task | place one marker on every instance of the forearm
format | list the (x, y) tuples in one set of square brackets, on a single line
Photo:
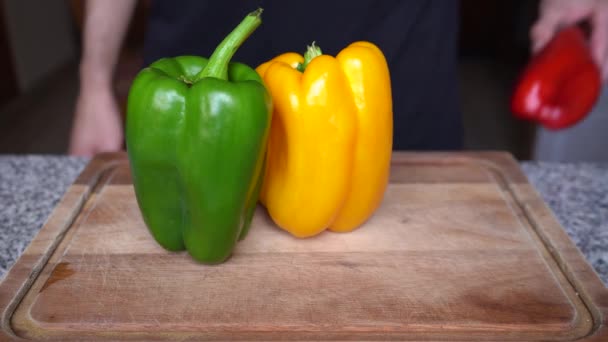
[(106, 23)]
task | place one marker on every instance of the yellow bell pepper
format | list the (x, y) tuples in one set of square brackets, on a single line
[(330, 142)]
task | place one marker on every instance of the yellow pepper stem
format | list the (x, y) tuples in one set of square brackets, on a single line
[(312, 51)]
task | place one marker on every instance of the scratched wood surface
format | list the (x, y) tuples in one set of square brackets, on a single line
[(462, 248)]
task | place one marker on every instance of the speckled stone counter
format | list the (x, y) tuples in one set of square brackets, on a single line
[(31, 186)]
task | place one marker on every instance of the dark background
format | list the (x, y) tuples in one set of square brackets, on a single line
[(40, 46)]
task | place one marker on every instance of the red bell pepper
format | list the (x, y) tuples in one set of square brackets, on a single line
[(561, 84)]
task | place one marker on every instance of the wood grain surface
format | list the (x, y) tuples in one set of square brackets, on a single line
[(462, 248)]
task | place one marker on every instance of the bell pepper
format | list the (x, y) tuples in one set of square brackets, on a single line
[(560, 85), (330, 142), (196, 137)]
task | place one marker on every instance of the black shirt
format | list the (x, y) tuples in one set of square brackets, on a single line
[(417, 37)]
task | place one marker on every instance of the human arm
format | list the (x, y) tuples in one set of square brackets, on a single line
[(97, 124)]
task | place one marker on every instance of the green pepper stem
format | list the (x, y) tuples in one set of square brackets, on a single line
[(312, 51), (218, 62)]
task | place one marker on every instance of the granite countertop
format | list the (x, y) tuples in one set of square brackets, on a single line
[(31, 186)]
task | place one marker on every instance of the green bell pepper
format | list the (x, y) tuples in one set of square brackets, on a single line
[(196, 136)]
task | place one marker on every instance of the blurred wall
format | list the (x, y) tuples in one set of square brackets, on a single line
[(587, 141), (41, 38)]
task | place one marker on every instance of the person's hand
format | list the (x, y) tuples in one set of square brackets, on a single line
[(97, 123), (555, 14)]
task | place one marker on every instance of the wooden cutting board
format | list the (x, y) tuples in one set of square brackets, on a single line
[(462, 248)]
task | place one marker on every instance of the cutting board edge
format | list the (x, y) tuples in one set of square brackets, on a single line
[(558, 243), (24, 272), (580, 273), (572, 263)]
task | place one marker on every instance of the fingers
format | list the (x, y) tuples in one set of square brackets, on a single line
[(555, 14), (80, 145), (543, 30), (81, 150), (599, 38)]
